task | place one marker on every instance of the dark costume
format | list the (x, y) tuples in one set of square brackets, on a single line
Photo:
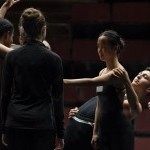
[(78, 134), (32, 111), (116, 131)]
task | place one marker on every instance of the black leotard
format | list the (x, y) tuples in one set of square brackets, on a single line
[(116, 131)]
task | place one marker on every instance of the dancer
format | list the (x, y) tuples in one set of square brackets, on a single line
[(112, 129), (3, 10), (6, 38), (32, 111), (22, 38), (79, 132)]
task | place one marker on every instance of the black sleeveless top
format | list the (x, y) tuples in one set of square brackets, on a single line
[(112, 118)]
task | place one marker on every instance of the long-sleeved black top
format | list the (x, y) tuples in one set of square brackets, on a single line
[(32, 89)]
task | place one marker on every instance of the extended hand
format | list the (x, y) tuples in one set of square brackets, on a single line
[(122, 74), (10, 3), (73, 111)]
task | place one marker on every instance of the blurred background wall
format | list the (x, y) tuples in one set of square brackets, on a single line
[(73, 27)]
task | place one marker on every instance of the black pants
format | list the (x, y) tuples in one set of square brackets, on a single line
[(27, 139), (78, 136)]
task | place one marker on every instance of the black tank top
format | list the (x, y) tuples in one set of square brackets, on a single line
[(109, 101), (112, 118)]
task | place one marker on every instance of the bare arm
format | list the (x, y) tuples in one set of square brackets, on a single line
[(4, 50), (7, 4), (127, 110), (95, 138), (131, 94), (99, 80)]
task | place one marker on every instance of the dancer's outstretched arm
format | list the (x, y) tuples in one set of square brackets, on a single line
[(7, 4)]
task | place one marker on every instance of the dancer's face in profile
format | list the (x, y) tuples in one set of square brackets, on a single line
[(141, 82), (105, 50)]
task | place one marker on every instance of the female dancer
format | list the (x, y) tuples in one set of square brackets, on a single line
[(112, 130)]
